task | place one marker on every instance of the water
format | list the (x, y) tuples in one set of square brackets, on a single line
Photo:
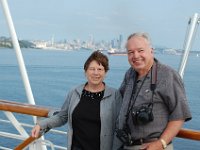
[(53, 73)]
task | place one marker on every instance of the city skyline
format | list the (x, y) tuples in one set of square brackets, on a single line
[(165, 21)]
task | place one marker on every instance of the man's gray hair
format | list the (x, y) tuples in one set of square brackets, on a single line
[(141, 34)]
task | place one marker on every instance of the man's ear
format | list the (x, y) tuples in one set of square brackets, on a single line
[(152, 49)]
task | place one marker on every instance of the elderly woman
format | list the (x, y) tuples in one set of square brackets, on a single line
[(90, 110)]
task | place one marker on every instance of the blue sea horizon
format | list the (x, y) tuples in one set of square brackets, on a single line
[(52, 73)]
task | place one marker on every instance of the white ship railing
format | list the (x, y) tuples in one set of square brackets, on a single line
[(190, 35), (24, 76), (39, 143), (31, 110)]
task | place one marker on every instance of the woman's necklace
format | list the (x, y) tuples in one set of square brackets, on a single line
[(94, 89), (93, 95)]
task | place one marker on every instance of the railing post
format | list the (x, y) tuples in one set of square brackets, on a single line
[(20, 59), (190, 34)]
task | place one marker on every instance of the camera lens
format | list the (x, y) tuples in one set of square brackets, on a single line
[(142, 115), (143, 118)]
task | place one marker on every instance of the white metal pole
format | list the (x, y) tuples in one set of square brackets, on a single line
[(20, 59), (188, 42), (18, 52), (17, 125)]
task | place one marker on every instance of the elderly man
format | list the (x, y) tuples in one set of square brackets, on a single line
[(154, 101)]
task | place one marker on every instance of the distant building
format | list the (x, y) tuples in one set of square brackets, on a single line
[(40, 44)]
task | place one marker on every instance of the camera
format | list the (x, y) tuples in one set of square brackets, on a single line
[(124, 136), (143, 114)]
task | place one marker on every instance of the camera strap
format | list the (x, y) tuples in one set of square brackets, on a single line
[(153, 80), (133, 94), (154, 76)]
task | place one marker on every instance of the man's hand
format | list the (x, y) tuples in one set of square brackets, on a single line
[(156, 145)]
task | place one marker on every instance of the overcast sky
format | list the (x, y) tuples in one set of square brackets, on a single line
[(166, 21)]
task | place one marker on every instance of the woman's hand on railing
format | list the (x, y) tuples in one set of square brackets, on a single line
[(35, 133)]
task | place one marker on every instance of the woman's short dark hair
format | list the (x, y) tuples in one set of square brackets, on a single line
[(100, 58)]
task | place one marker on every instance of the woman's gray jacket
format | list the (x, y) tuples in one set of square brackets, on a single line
[(109, 109)]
